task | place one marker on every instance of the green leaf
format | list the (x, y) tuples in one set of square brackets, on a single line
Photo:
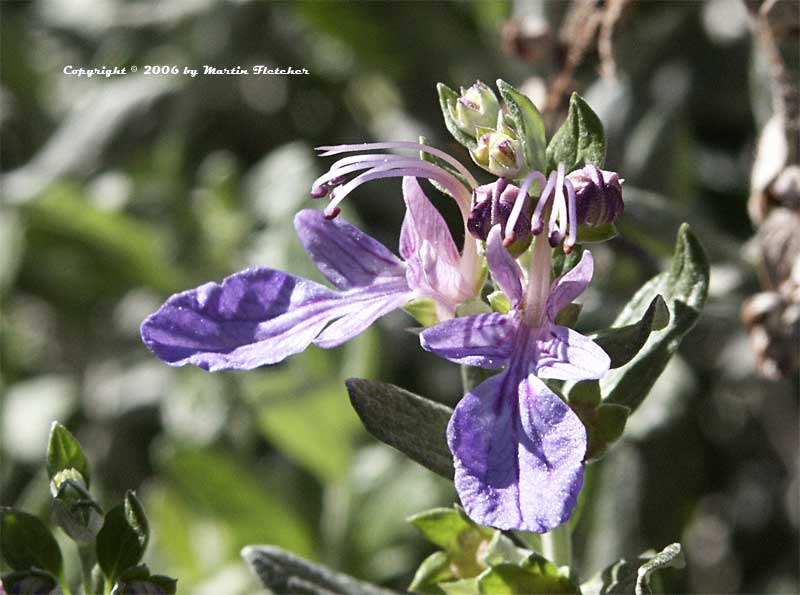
[(580, 140), (568, 315), (123, 539), (684, 289), (29, 581), (284, 572), (453, 531), (464, 586), (412, 424), (448, 97), (589, 234), (563, 263), (25, 542), (528, 122), (533, 576), (501, 549), (499, 302), (218, 486), (623, 343), (434, 569), (623, 578), (64, 452), (325, 447), (423, 310), (138, 579)]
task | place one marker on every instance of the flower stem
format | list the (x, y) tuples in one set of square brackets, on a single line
[(557, 546), (88, 560)]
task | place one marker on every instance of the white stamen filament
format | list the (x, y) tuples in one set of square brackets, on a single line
[(536, 219), (573, 217), (339, 149), (522, 196)]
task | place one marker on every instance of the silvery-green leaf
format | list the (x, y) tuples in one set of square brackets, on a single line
[(670, 556), (624, 578), (528, 122), (580, 140), (622, 343), (412, 424), (284, 572), (464, 586), (684, 288)]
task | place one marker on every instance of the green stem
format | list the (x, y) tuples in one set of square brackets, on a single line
[(557, 546), (88, 560)]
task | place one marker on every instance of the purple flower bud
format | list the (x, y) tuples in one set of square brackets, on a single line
[(598, 195), (492, 204)]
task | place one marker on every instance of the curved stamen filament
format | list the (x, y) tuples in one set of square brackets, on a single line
[(522, 196), (404, 168), (572, 236), (536, 220), (329, 150)]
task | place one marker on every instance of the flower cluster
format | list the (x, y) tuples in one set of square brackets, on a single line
[(518, 448)]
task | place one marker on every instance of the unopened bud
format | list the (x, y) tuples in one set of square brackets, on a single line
[(598, 195), (476, 108), (492, 205)]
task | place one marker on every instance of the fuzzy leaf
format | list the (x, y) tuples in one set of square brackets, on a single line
[(624, 578), (624, 342), (684, 289), (64, 452), (580, 140), (528, 122), (412, 424), (284, 572), (25, 542)]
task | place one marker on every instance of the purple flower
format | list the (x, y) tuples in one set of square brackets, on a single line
[(261, 316), (518, 448)]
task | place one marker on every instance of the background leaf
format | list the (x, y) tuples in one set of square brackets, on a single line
[(284, 572)]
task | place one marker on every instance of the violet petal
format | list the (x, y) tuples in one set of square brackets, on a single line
[(484, 340), (505, 270), (570, 285), (424, 223), (518, 452), (347, 256), (565, 354)]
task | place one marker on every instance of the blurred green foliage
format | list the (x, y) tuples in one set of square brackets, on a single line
[(117, 192)]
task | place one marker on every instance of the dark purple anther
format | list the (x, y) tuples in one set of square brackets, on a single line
[(598, 195)]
